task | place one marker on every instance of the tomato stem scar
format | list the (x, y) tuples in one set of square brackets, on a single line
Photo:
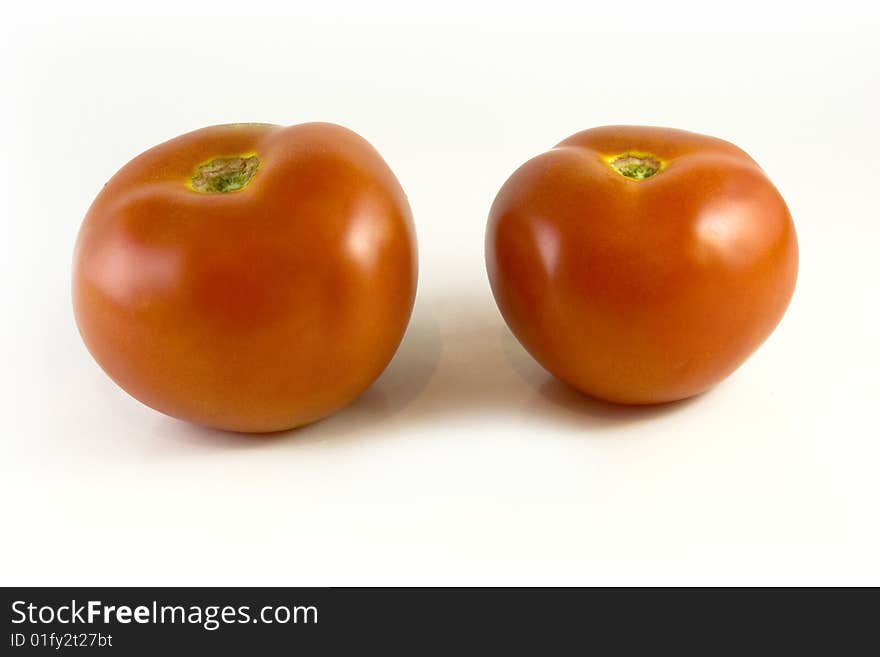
[(636, 166), (224, 174)]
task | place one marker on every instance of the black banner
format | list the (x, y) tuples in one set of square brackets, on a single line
[(244, 621)]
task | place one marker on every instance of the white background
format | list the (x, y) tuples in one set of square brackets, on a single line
[(465, 463)]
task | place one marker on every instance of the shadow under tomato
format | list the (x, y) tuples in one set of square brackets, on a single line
[(574, 402), (578, 406), (460, 363)]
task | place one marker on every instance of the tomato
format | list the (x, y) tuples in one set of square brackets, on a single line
[(641, 265), (248, 277)]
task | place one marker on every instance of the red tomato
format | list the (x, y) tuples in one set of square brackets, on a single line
[(248, 277), (641, 265)]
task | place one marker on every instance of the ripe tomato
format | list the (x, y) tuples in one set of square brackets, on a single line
[(248, 277), (641, 265)]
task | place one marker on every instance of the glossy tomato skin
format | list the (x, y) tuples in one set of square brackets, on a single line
[(641, 291), (254, 310)]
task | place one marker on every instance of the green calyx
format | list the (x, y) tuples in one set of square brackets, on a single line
[(225, 174), (636, 167)]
